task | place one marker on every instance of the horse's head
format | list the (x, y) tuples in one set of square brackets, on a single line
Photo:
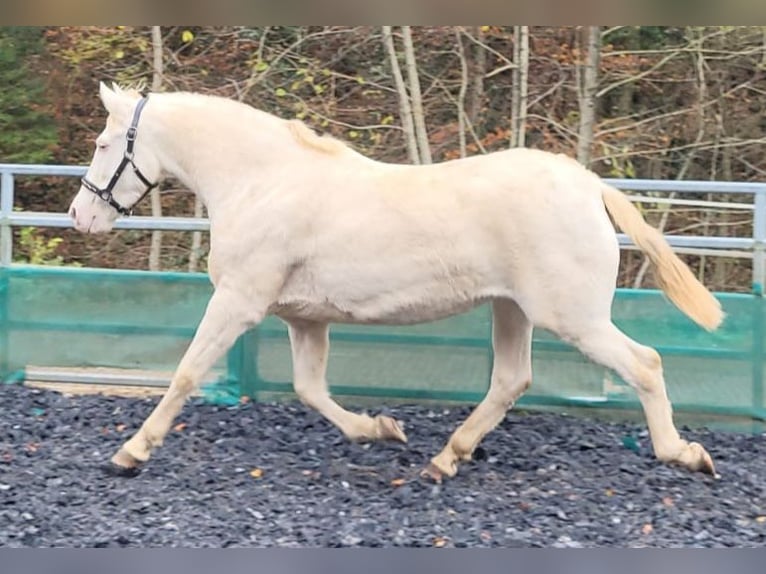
[(123, 169)]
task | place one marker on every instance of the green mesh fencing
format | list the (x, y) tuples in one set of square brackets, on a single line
[(76, 321), (73, 318)]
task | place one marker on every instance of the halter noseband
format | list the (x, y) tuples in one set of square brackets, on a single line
[(127, 158)]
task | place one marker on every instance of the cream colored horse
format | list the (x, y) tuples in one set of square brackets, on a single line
[(305, 228)]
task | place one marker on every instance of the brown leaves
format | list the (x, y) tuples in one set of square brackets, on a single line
[(398, 482), (256, 473), (180, 426)]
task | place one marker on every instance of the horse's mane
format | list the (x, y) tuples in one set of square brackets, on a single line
[(135, 89), (309, 138)]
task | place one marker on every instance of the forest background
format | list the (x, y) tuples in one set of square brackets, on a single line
[(654, 102)]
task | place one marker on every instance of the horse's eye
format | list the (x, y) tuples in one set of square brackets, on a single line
[(102, 146)]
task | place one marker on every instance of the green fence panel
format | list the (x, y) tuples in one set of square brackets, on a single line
[(85, 318), (82, 318)]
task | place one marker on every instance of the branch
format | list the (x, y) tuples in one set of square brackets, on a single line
[(468, 123)]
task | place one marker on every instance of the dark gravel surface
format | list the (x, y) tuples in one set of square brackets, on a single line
[(279, 475)]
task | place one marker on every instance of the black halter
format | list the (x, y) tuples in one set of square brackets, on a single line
[(106, 193)]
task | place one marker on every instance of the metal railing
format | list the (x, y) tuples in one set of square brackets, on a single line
[(10, 218), (751, 247)]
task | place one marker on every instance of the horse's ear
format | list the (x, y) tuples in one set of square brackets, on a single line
[(106, 94), (112, 100)]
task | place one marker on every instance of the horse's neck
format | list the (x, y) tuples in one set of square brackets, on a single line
[(217, 153)]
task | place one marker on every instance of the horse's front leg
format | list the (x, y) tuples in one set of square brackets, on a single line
[(310, 345), (229, 313)]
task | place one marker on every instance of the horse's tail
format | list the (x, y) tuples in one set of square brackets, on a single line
[(672, 274)]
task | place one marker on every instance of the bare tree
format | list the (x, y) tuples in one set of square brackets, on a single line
[(520, 86), (476, 69), (157, 76), (461, 113), (586, 73), (405, 109), (418, 115), (196, 245)]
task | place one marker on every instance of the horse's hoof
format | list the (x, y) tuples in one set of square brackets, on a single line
[(123, 464), (389, 429), (703, 461), (113, 469), (432, 473)]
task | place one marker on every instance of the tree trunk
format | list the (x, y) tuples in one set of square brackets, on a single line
[(586, 72), (520, 85), (477, 67), (157, 72), (626, 92), (196, 245), (417, 101), (461, 114), (405, 110)]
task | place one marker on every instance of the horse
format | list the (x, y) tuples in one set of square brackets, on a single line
[(306, 228)]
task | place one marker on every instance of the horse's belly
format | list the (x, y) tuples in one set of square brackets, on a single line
[(393, 286), (402, 315), (380, 310)]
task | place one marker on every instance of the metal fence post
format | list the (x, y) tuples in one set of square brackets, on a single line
[(251, 384), (6, 209), (235, 364), (759, 277), (759, 242), (6, 255)]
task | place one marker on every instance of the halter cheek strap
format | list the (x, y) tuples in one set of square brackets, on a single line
[(127, 159)]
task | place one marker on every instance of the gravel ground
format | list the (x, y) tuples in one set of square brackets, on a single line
[(279, 475)]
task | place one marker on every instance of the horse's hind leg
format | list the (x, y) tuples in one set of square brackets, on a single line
[(641, 367), (511, 375), (310, 345)]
